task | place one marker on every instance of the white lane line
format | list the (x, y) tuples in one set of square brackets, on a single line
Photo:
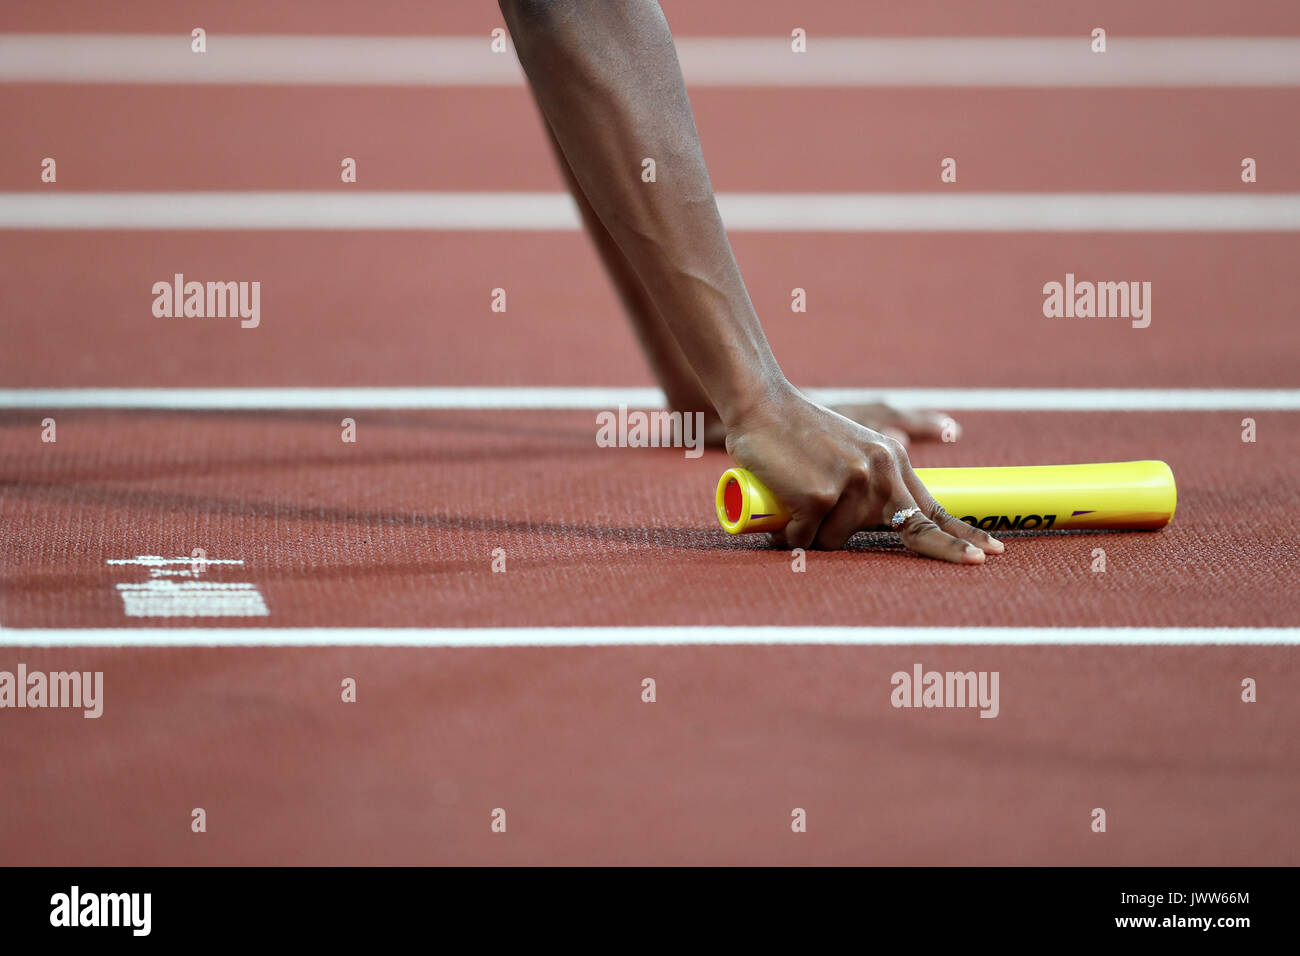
[(948, 399), (754, 61), (741, 212), (635, 636), (290, 210)]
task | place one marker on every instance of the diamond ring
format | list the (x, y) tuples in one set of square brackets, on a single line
[(896, 522)]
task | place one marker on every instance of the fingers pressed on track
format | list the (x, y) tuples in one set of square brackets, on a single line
[(900, 422), (847, 518), (807, 521), (926, 426), (953, 526), (922, 535), (960, 529)]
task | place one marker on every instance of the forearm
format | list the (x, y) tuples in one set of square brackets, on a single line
[(607, 79)]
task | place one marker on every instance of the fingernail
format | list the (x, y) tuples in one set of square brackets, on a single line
[(998, 544), (974, 553)]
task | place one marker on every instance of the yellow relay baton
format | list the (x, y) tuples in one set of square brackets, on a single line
[(1117, 496)]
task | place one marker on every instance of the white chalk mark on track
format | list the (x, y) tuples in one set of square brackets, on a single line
[(192, 599), (165, 596)]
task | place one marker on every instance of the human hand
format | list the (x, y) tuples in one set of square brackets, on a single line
[(838, 477)]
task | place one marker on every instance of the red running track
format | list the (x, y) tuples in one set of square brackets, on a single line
[(398, 529), (687, 17), (709, 774), (383, 309)]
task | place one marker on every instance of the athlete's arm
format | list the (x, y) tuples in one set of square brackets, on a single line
[(606, 77)]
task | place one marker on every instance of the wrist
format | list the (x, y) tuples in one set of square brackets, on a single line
[(756, 399)]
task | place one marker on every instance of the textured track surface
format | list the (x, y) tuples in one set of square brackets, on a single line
[(399, 529)]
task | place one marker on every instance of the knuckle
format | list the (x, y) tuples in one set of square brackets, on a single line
[(860, 474), (918, 525), (880, 457), (891, 445), (822, 501)]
